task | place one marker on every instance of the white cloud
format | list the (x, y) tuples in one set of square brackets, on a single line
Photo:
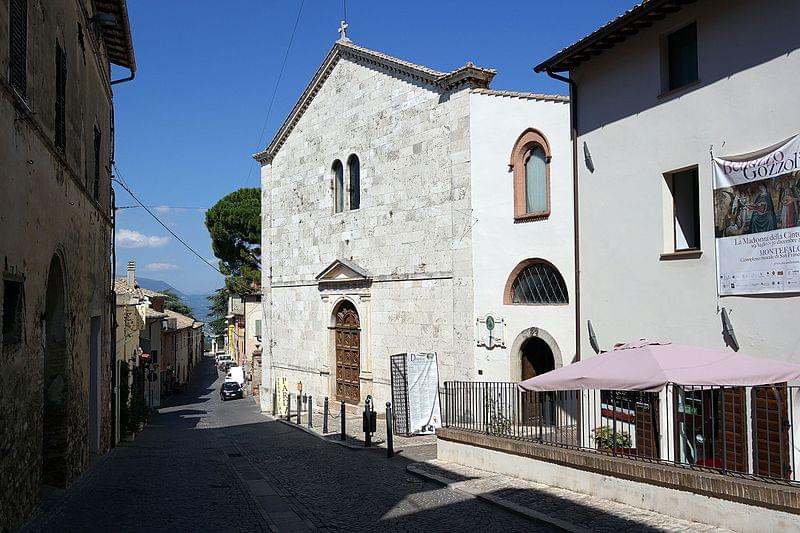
[(160, 267), (128, 238)]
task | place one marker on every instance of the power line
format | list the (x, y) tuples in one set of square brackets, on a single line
[(124, 186), (163, 207), (275, 90)]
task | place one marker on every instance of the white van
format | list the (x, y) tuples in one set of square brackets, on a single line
[(236, 373)]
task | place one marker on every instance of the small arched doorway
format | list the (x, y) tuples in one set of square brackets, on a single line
[(55, 382), (537, 358), (347, 339)]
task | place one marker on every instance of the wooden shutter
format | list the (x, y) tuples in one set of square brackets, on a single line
[(771, 431), (731, 441), (61, 90), (646, 425), (18, 46)]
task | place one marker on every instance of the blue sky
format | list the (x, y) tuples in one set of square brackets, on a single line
[(186, 126)]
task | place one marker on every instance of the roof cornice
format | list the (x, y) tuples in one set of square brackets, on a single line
[(523, 95), (468, 75), (642, 15)]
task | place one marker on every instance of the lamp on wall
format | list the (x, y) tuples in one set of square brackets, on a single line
[(727, 331), (593, 338), (587, 157)]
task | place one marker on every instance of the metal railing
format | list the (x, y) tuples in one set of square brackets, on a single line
[(743, 431)]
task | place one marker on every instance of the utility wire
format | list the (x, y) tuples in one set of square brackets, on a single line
[(275, 90), (162, 207), (124, 186)]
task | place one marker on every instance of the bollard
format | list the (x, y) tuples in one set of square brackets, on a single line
[(389, 439), (325, 416), (310, 412), (341, 416), (274, 402), (365, 419), (288, 407), (299, 411)]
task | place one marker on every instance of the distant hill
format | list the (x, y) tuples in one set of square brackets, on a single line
[(158, 285), (198, 302)]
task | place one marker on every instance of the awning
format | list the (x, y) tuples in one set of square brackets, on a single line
[(650, 366)]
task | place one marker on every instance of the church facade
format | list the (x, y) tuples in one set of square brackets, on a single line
[(407, 209)]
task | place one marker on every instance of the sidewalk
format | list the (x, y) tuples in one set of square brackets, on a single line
[(353, 429), (567, 510)]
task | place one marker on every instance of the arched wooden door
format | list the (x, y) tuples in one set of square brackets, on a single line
[(347, 332)]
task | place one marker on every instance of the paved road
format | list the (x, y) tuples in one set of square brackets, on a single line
[(203, 465)]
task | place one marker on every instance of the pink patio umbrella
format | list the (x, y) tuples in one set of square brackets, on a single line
[(649, 366)]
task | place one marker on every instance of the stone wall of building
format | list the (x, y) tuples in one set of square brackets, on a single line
[(50, 220), (411, 232)]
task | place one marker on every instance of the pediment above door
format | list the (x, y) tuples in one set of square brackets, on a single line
[(342, 272)]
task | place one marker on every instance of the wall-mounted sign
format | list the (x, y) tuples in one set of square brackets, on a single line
[(491, 331), (757, 220), (281, 394)]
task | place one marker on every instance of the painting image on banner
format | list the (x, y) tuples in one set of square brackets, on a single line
[(757, 220)]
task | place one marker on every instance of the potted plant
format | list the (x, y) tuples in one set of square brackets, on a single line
[(606, 439)]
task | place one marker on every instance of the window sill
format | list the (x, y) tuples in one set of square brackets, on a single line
[(531, 217), (665, 95), (683, 254)]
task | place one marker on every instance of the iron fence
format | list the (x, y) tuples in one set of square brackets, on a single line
[(743, 431)]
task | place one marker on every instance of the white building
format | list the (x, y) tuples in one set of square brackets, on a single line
[(391, 225), (647, 250)]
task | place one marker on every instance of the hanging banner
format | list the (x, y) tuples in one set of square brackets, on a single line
[(757, 220)]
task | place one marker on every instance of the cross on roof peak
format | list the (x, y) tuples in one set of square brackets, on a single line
[(343, 30)]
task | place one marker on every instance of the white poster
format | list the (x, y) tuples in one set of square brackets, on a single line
[(757, 220), (424, 413)]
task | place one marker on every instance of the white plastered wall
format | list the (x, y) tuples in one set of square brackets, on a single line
[(499, 244)]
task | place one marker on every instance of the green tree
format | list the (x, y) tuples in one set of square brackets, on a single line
[(234, 224), (217, 310), (174, 303)]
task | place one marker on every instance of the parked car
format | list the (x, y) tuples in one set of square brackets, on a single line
[(230, 389), (235, 373)]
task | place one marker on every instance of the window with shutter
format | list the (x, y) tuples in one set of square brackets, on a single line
[(354, 168), (61, 90), (97, 144), (18, 46), (18, 33)]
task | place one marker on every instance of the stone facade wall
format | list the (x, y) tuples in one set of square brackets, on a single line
[(411, 232), (48, 208)]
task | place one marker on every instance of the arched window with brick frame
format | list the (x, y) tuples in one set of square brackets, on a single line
[(535, 282), (530, 165)]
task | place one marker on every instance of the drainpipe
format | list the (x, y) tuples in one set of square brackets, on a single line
[(573, 114), (113, 357)]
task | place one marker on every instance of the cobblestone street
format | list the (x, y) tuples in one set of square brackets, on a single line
[(203, 464)]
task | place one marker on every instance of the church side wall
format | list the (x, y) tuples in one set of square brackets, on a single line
[(410, 232), (500, 243)]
